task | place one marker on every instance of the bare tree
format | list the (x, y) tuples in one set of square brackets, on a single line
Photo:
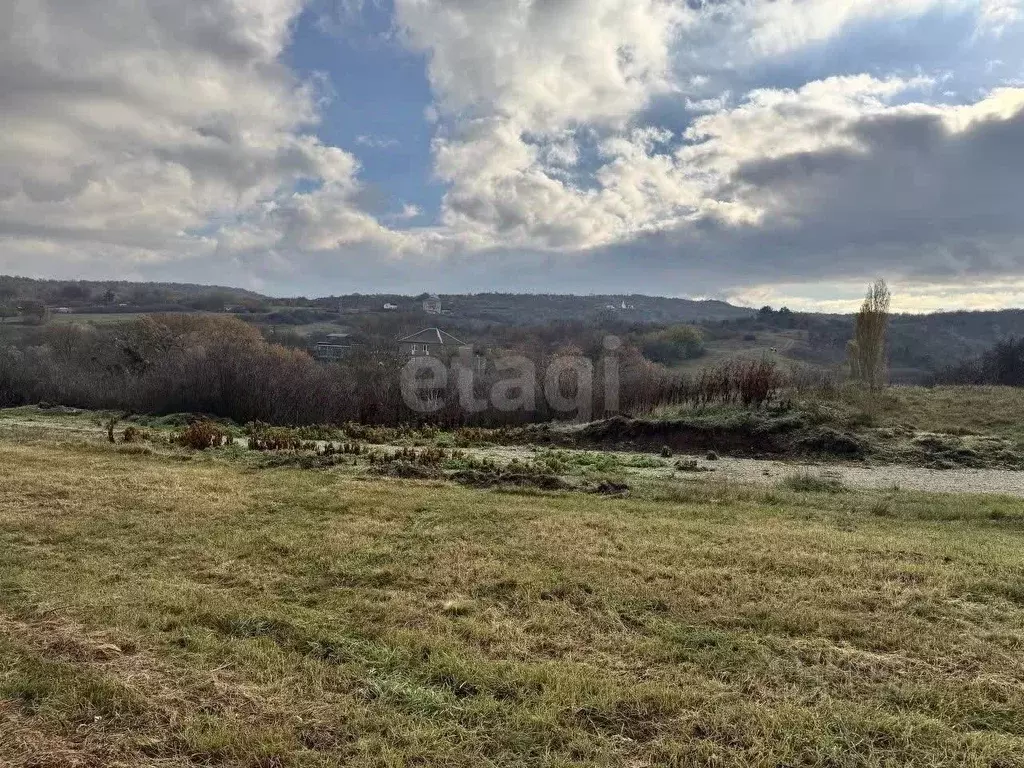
[(867, 349), (34, 311)]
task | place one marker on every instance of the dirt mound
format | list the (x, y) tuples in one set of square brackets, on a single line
[(751, 434), (298, 461), (406, 470), (831, 442), (501, 479), (609, 488)]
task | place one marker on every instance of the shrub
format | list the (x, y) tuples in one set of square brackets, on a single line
[(263, 437), (222, 366), (881, 508), (201, 435), (752, 383), (133, 434)]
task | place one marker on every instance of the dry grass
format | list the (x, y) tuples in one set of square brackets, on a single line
[(161, 611), (954, 410), (719, 351)]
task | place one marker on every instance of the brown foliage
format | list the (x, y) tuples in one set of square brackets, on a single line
[(201, 435), (133, 434), (222, 366)]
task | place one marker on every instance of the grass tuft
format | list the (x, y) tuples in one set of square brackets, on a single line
[(809, 482)]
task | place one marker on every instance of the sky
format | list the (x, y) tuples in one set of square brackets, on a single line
[(758, 151)]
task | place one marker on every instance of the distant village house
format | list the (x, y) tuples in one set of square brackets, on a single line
[(430, 342), (336, 347), (432, 305)]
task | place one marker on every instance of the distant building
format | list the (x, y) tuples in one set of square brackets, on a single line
[(430, 342), (619, 307), (432, 305), (336, 347), (328, 352)]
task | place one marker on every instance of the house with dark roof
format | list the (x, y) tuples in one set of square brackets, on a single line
[(336, 347), (430, 342)]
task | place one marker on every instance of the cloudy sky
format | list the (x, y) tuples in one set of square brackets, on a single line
[(764, 151)]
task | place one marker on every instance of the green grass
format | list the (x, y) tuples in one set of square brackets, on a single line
[(585, 462), (940, 427), (313, 329), (956, 411), (719, 351), (950, 410), (813, 482), (161, 607), (94, 318)]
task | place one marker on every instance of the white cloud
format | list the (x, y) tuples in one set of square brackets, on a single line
[(135, 128), (925, 296), (521, 87), (177, 140), (998, 15), (544, 65), (376, 142), (409, 211), (516, 84)]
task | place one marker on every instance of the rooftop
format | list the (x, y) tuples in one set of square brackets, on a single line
[(433, 336)]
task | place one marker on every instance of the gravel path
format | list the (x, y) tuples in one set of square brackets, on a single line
[(767, 472), (772, 471), (760, 471)]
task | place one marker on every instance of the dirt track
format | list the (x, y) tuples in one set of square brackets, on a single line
[(757, 471), (766, 472), (853, 475)]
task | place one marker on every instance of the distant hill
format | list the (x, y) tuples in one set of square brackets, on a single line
[(531, 309), (540, 309), (919, 345), (102, 295), (498, 308)]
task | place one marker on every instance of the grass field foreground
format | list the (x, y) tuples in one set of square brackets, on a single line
[(178, 608)]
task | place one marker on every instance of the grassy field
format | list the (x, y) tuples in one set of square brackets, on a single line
[(93, 318), (174, 608), (774, 345), (952, 410), (997, 411), (941, 427)]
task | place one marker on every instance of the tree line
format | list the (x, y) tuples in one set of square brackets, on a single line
[(221, 366)]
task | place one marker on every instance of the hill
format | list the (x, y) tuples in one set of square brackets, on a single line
[(109, 295), (508, 309), (920, 346)]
